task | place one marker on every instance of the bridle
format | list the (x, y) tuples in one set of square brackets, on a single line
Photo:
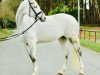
[(18, 34), (36, 14)]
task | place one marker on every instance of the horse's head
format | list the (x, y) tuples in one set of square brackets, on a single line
[(35, 11)]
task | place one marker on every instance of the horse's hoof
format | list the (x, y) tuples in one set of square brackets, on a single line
[(35, 73), (59, 74), (81, 74)]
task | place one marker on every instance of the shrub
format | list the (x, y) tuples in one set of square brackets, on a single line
[(6, 23), (11, 24), (5, 12), (64, 9)]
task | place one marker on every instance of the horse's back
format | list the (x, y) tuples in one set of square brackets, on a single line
[(69, 23), (62, 16), (57, 26)]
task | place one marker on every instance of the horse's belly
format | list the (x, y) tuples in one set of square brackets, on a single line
[(46, 39), (49, 36)]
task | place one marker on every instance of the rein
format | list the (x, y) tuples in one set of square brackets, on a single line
[(18, 34)]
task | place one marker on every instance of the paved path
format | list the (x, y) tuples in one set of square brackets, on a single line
[(14, 59)]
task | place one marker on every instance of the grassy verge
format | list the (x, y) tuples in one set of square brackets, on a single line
[(5, 32), (90, 44)]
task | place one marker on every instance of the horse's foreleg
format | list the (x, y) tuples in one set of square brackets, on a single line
[(76, 46), (32, 53), (63, 47)]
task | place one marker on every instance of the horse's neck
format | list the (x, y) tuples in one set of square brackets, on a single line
[(22, 10), (20, 19)]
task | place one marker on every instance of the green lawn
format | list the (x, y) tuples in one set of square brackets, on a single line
[(5, 32)]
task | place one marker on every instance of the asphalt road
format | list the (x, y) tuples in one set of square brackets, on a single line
[(14, 59)]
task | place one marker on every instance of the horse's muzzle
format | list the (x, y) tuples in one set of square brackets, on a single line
[(41, 16), (43, 19)]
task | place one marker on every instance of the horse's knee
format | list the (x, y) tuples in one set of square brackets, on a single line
[(76, 45), (66, 56), (32, 58), (80, 52)]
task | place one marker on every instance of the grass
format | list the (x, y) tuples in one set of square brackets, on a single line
[(5, 32), (91, 43)]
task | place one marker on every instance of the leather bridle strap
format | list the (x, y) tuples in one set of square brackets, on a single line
[(36, 14)]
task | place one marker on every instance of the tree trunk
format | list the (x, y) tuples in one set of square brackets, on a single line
[(0, 0), (97, 9)]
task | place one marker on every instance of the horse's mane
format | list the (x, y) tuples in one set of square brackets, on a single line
[(20, 9)]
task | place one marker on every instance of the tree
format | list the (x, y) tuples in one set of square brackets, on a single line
[(13, 4), (47, 5), (0, 0), (91, 15), (5, 12), (8, 8)]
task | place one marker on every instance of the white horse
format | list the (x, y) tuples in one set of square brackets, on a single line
[(61, 27)]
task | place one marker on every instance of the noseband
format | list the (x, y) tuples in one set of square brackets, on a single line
[(36, 14)]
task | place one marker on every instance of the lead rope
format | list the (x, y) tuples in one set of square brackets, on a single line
[(18, 34)]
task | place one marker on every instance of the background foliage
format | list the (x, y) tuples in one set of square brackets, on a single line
[(8, 8), (92, 16), (61, 8)]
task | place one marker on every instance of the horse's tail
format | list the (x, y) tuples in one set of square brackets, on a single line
[(75, 59)]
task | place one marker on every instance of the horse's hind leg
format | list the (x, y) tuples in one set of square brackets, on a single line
[(76, 46), (62, 42)]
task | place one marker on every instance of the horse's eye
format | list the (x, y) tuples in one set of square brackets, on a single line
[(35, 6)]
